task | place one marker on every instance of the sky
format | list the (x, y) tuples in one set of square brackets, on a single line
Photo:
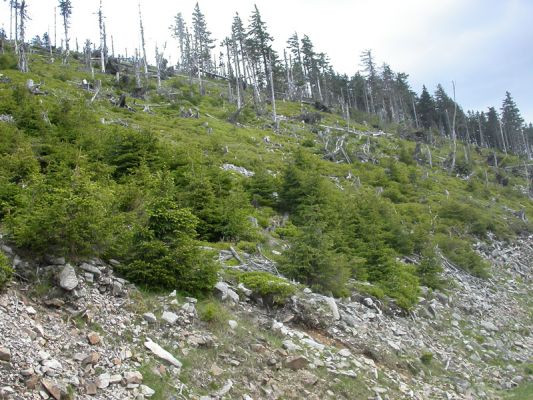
[(484, 46)]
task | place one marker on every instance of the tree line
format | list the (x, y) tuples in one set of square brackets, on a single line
[(253, 69)]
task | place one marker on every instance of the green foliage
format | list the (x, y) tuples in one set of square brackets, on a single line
[(460, 252), (62, 214), (8, 61), (164, 254), (213, 312), (6, 271), (272, 289), (426, 358)]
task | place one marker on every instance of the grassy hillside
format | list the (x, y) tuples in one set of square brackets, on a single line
[(145, 184)]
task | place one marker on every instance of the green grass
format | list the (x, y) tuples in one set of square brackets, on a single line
[(522, 392)]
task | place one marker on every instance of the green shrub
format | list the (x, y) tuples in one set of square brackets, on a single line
[(272, 289), (460, 253), (426, 358), (213, 312), (6, 272), (8, 61)]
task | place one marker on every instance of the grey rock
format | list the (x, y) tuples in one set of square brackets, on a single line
[(161, 353), (489, 326), (55, 260), (233, 324), (150, 317), (91, 269), (169, 317), (67, 278), (296, 362), (289, 345), (133, 377), (333, 307)]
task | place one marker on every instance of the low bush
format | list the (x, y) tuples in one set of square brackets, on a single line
[(6, 272), (272, 289)]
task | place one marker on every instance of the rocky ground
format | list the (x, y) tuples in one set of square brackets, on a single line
[(80, 332)]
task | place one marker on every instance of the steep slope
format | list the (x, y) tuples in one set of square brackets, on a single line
[(430, 267)]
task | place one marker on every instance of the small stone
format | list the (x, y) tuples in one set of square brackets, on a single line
[(147, 391), (91, 388), (102, 381), (333, 307), (367, 301), (5, 354), (94, 338), (33, 382), (30, 310), (296, 362), (92, 359), (307, 291), (247, 292), (162, 353), (52, 364), (67, 278), (52, 388), (169, 317), (89, 277), (27, 372), (114, 379), (233, 324), (150, 318), (344, 353), (91, 269), (133, 377), (289, 345), (489, 326), (216, 370), (308, 378)]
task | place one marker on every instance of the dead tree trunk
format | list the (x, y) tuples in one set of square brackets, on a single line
[(454, 136), (143, 44)]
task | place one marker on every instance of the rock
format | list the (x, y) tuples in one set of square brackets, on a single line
[(92, 359), (150, 318), (313, 344), (30, 310), (247, 292), (296, 362), (333, 307), (67, 278), (216, 370), (161, 353), (33, 382), (241, 170), (308, 378), (102, 381), (344, 353), (5, 354), (233, 296), (169, 317), (91, 388), (114, 379), (367, 301), (52, 388), (289, 345), (52, 364), (133, 377), (93, 338), (307, 291), (91, 269), (223, 292), (147, 391), (233, 324), (225, 389), (489, 326)]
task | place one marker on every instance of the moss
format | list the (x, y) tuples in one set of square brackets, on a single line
[(6, 271), (272, 289)]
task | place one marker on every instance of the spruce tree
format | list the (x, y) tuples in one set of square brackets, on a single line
[(512, 123), (426, 109), (260, 45)]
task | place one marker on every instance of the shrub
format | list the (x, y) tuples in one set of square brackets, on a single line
[(426, 358), (213, 312), (8, 61), (6, 272), (460, 252), (272, 289)]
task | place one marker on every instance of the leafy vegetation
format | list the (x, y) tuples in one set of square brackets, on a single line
[(84, 178), (6, 272)]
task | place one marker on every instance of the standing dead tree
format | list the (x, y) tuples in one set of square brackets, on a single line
[(65, 10), (102, 38), (22, 60)]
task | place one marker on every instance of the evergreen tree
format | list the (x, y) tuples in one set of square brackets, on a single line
[(492, 129), (259, 43), (179, 31), (426, 109), (512, 123), (202, 41)]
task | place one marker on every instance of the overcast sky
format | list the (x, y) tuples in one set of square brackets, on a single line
[(485, 46)]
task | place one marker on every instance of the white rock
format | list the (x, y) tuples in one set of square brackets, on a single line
[(103, 381), (52, 364), (333, 306), (313, 344), (91, 269), (30, 310), (161, 353), (233, 324), (147, 391), (169, 317), (344, 353), (67, 278)]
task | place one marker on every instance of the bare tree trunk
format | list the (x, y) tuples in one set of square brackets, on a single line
[(143, 44), (272, 94), (481, 139), (503, 138), (414, 112), (454, 136), (102, 38)]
